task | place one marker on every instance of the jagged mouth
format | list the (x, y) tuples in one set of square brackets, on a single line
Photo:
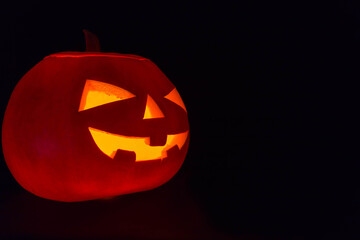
[(110, 143)]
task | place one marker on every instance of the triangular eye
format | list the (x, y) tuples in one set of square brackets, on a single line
[(174, 96), (152, 110), (97, 93)]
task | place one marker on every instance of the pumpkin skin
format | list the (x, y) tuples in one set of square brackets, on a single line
[(46, 137)]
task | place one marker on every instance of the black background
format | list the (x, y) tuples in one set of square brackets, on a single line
[(272, 95)]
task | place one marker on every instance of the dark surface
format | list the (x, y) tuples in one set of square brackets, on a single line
[(272, 91)]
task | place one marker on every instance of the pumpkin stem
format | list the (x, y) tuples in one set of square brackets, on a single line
[(92, 42)]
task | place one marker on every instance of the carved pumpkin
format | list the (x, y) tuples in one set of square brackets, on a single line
[(89, 125)]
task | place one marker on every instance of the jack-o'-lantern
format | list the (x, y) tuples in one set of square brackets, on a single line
[(90, 125)]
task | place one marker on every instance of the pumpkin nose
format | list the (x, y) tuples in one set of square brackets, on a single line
[(152, 110)]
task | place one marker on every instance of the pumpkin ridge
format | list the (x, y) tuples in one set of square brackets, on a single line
[(74, 55)]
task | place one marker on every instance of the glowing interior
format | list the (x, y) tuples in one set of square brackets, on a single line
[(97, 93), (109, 143), (174, 96), (152, 110)]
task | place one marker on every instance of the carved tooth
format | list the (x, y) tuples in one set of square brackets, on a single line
[(126, 157), (158, 140), (173, 151)]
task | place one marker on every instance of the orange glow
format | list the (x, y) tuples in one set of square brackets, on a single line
[(152, 110), (174, 96), (97, 93), (109, 143)]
